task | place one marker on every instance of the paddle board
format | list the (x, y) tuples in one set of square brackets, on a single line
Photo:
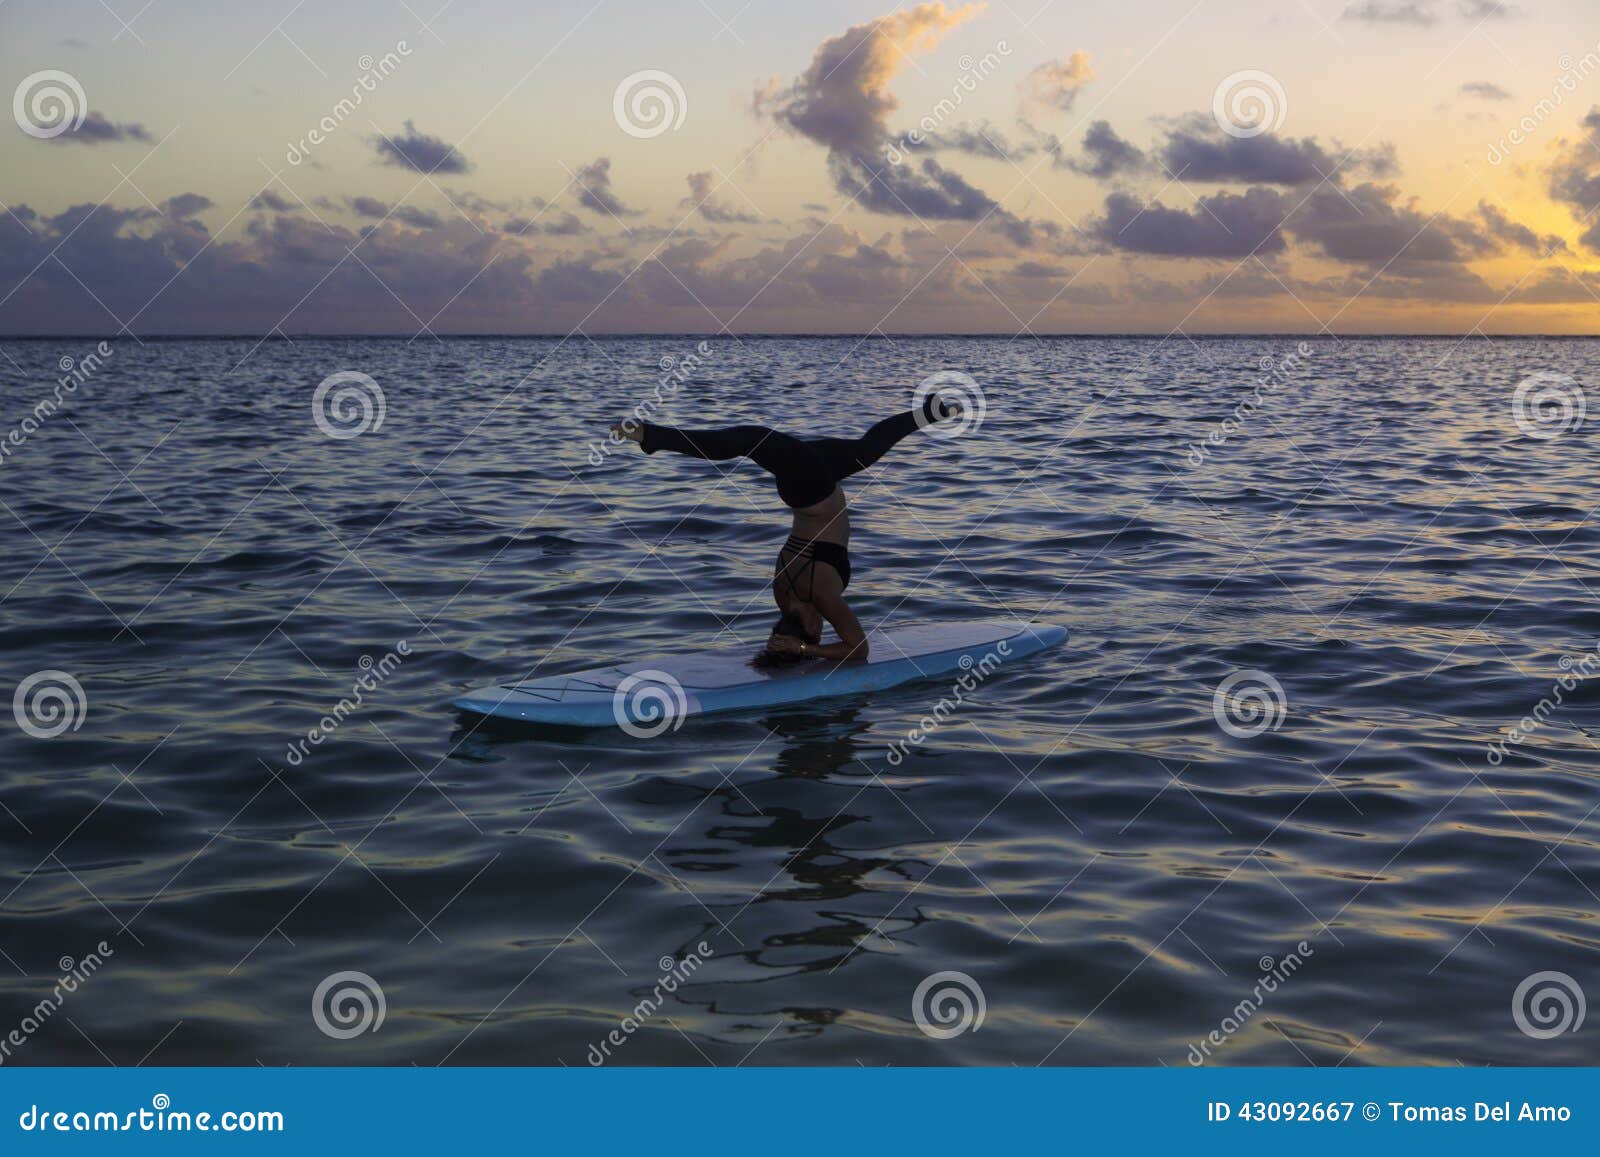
[(647, 698)]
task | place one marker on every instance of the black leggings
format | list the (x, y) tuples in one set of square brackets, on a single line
[(806, 469)]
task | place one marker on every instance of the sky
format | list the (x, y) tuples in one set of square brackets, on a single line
[(429, 167)]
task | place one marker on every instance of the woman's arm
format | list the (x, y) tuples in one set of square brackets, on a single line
[(852, 642)]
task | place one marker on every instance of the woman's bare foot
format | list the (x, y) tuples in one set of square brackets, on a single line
[(632, 429)]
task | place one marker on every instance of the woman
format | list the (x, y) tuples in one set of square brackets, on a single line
[(813, 567)]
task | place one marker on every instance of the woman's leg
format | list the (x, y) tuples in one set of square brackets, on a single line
[(800, 472)]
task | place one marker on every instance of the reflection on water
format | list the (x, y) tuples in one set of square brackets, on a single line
[(1386, 559)]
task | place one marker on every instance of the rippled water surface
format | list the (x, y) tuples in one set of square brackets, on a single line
[(1083, 839)]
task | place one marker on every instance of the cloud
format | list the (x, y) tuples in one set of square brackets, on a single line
[(1222, 225), (1574, 177), (97, 130), (843, 103), (702, 197), (420, 153), (562, 224), (1392, 12), (267, 199), (1367, 226), (373, 208), (1055, 84), (1518, 236), (1106, 155), (592, 187), (1487, 10), (1190, 154), (1484, 90), (186, 205)]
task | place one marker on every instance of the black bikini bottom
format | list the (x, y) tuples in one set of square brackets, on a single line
[(835, 554)]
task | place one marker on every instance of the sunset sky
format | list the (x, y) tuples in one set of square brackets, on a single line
[(1078, 168)]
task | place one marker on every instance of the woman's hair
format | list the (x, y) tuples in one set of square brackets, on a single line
[(791, 624)]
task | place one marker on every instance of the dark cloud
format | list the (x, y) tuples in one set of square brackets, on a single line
[(843, 103), (704, 200), (559, 224), (1367, 226), (1575, 177), (1222, 225), (1516, 235), (419, 152), (186, 205), (267, 199), (97, 130), (592, 187), (1106, 155), (1484, 90)]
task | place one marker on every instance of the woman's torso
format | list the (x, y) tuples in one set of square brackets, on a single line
[(825, 521)]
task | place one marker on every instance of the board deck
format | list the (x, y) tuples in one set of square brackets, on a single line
[(657, 694)]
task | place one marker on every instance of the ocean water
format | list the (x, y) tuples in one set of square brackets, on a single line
[(1365, 848)]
